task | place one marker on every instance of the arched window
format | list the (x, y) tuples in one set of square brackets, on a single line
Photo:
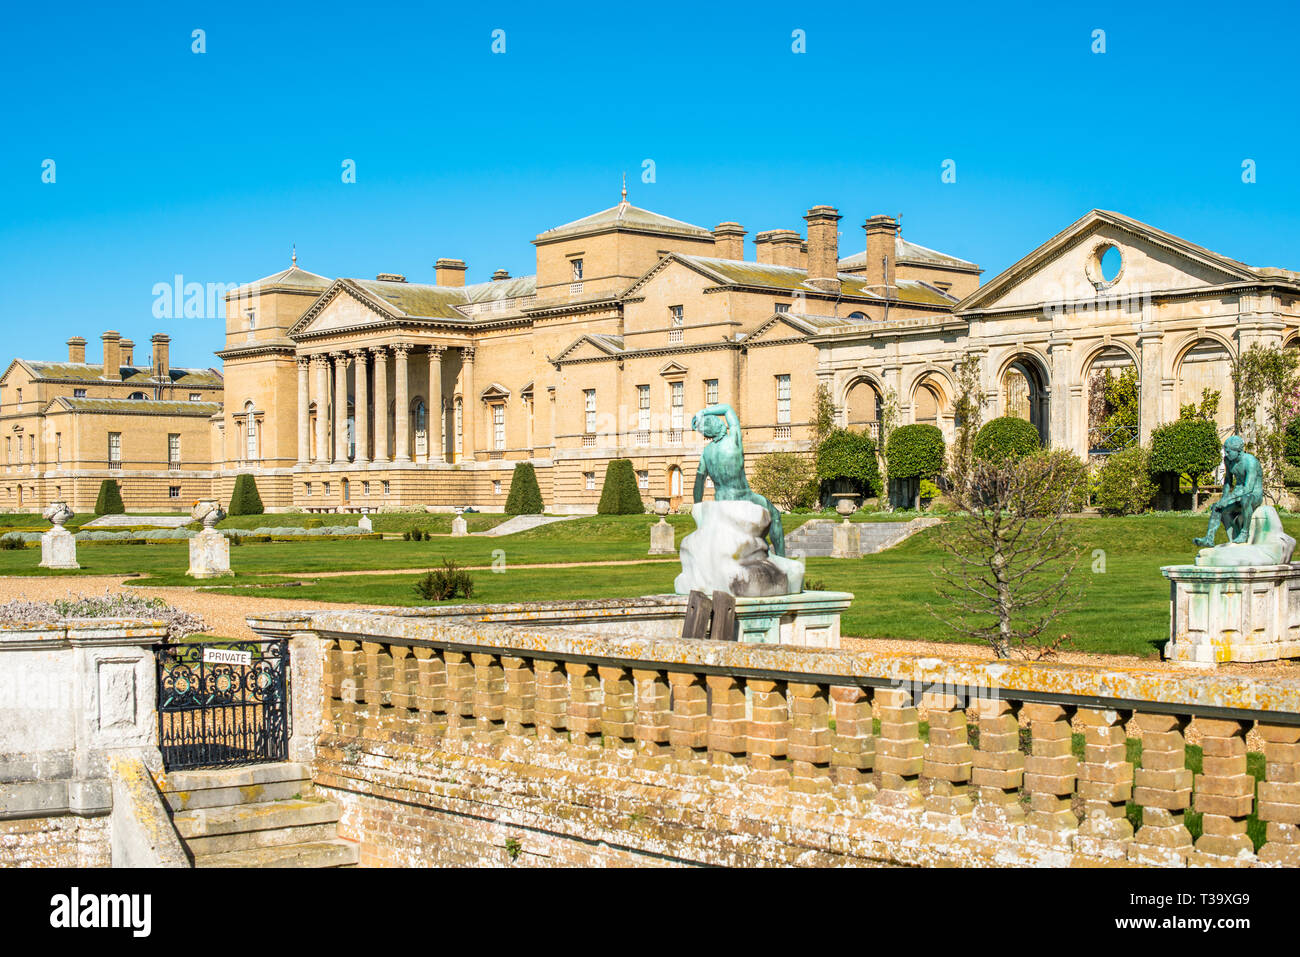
[(858, 316), (137, 396), (420, 420), (460, 428), (674, 481), (250, 433)]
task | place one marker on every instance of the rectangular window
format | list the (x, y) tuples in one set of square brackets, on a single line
[(710, 391), (460, 432), (78, 393), (365, 488), (58, 448), (590, 479), (496, 486), (577, 270), (307, 488), (677, 314), (18, 398), (385, 488), (173, 491), (589, 396), (783, 400), (19, 440), (643, 407), (498, 427), (31, 448), (173, 451), (115, 450), (327, 488), (643, 479), (677, 391), (782, 307), (196, 397)]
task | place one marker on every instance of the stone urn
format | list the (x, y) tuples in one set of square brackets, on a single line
[(57, 513), (662, 540), (846, 505), (58, 547), (662, 507), (847, 539), (208, 511)]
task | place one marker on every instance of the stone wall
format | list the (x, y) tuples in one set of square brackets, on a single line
[(63, 840), (470, 743)]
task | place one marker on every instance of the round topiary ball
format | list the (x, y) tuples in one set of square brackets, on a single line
[(1004, 438)]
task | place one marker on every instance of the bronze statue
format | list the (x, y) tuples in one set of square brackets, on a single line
[(1243, 492), (723, 461)]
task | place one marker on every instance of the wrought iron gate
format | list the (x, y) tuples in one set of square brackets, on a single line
[(223, 703)]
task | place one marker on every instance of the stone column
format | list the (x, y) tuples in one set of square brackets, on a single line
[(381, 403), (341, 361), (1050, 772), (362, 407), (322, 362), (402, 401), (1224, 792), (1149, 384), (304, 411), (435, 403), (469, 403), (1105, 784), (1163, 789), (1058, 407)]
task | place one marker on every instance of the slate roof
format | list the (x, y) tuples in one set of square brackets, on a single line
[(94, 372), (424, 301), (627, 217), (911, 252), (293, 277), (745, 273), (141, 406)]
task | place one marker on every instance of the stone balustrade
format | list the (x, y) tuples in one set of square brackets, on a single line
[(446, 739)]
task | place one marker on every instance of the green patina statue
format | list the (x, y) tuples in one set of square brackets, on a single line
[(1243, 492), (723, 461)]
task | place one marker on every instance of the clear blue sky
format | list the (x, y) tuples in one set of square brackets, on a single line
[(211, 165)]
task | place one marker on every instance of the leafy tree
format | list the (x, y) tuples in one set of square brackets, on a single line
[(786, 479), (619, 495), (244, 499), (845, 454), (914, 452), (1124, 483), (1263, 381), (1006, 437), (1206, 410), (823, 415), (1113, 410), (1008, 562), (525, 496), (967, 413), (1188, 447), (109, 500)]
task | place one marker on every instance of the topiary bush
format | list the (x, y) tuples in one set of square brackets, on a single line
[(1007, 437), (619, 495), (244, 500), (109, 500), (913, 452), (1072, 478), (786, 479), (1188, 447), (1124, 483), (845, 454), (525, 496)]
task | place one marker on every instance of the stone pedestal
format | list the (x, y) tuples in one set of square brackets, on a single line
[(661, 539), (58, 549), (459, 527), (209, 555), (365, 525), (810, 619), (846, 541), (727, 553), (1233, 613)]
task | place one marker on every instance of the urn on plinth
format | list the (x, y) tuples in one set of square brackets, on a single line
[(662, 541), (209, 549), (58, 546)]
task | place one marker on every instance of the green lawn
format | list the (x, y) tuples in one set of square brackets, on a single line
[(1126, 610)]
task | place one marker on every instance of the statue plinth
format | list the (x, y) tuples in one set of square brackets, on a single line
[(727, 552)]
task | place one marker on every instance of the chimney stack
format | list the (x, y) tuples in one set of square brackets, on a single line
[(112, 355), (882, 232), (500, 274), (161, 359), (778, 247), (823, 248), (77, 349), (126, 349), (729, 241), (450, 272)]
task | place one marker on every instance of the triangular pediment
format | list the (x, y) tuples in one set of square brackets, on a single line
[(344, 305), (591, 346), (780, 326), (1067, 268), (673, 369)]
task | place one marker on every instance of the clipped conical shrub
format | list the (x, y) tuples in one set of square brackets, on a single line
[(620, 496), (109, 501), (525, 496), (244, 500)]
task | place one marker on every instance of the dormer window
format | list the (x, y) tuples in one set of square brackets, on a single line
[(577, 270)]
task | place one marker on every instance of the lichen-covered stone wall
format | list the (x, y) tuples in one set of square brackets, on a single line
[(63, 841)]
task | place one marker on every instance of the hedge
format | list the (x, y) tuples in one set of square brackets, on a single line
[(915, 451), (1007, 437), (845, 454), (1188, 447), (619, 495), (244, 500), (109, 501), (525, 496)]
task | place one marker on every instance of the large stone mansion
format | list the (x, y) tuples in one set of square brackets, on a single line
[(342, 394)]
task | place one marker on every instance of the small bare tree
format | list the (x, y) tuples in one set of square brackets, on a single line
[(1009, 561)]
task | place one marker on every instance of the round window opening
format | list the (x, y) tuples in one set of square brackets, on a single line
[(1106, 265)]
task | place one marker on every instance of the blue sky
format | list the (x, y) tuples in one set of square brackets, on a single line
[(210, 165)]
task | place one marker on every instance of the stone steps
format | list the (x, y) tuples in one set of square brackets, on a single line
[(263, 815), (522, 523), (815, 538)]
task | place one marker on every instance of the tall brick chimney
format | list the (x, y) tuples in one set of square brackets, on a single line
[(126, 349), (823, 248), (729, 241), (77, 349), (778, 247), (882, 231), (112, 355), (450, 272), (161, 355)]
